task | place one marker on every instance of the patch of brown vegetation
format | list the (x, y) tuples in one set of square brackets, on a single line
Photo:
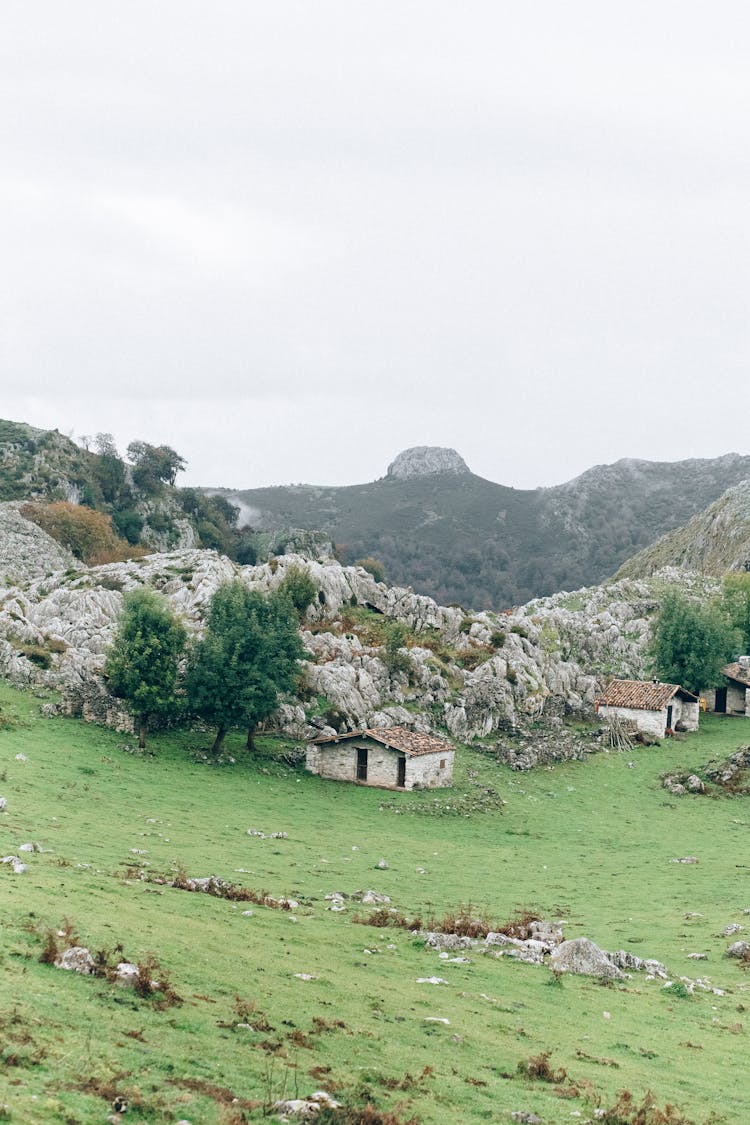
[(219, 1094), (627, 1111), (366, 1115), (537, 1067)]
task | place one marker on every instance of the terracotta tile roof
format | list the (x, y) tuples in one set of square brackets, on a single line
[(641, 695), (396, 738), (738, 672)]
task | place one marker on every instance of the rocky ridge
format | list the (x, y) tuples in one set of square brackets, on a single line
[(713, 542), (425, 461), (478, 676)]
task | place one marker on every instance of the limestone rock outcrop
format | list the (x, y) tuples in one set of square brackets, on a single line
[(479, 675), (425, 461)]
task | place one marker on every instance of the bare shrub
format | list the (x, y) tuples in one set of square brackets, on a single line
[(537, 1067)]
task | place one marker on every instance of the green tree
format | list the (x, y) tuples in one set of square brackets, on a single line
[(154, 465), (247, 657), (736, 602), (142, 664), (690, 641), (299, 588)]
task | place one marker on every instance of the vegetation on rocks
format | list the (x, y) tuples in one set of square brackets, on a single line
[(691, 641), (143, 663), (248, 655)]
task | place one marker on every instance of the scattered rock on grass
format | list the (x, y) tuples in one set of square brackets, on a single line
[(126, 972), (581, 955), (306, 1107), (739, 949), (17, 866), (371, 898), (77, 959)]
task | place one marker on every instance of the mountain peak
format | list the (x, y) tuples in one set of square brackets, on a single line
[(426, 461)]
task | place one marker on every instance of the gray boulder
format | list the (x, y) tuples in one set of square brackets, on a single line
[(581, 955), (77, 959)]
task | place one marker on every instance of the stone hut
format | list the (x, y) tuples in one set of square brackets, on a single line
[(734, 697), (653, 707), (387, 757)]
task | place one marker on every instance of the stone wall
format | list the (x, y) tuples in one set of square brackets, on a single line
[(687, 713), (654, 722), (736, 700), (338, 762), (425, 772)]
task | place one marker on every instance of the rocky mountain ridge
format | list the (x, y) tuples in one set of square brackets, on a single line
[(713, 542), (476, 676), (437, 526)]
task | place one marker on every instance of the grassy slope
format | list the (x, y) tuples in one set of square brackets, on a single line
[(589, 841)]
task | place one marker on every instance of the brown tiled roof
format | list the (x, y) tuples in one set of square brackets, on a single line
[(642, 695), (397, 738), (738, 672)]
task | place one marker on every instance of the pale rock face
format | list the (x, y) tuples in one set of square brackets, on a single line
[(581, 955), (77, 959), (425, 461), (544, 664), (27, 552)]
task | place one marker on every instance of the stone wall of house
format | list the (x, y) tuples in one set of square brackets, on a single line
[(338, 762), (653, 722), (425, 772), (736, 700), (687, 713)]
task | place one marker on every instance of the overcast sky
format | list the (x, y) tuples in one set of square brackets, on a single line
[(292, 239)]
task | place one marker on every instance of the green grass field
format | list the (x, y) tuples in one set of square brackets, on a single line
[(590, 842)]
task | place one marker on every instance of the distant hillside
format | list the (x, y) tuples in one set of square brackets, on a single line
[(713, 542), (146, 510), (437, 526)]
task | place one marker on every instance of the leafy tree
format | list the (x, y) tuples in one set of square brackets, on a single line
[(394, 657), (142, 664), (109, 470), (154, 465), (736, 601), (246, 658), (690, 641), (299, 588)]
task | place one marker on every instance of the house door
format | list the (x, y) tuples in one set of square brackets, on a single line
[(401, 774), (721, 700), (361, 764), (669, 717)]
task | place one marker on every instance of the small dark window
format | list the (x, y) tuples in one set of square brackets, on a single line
[(442, 763)]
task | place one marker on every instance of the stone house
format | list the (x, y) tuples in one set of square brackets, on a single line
[(653, 707), (734, 697), (387, 757)]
